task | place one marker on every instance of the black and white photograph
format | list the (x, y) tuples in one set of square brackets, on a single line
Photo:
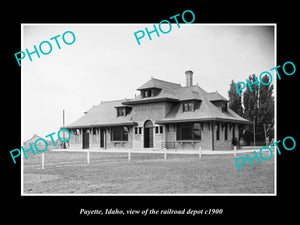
[(165, 116), (132, 112)]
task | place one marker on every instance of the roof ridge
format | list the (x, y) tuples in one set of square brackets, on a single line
[(178, 84), (211, 94)]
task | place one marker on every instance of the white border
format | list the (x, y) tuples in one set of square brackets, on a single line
[(152, 194)]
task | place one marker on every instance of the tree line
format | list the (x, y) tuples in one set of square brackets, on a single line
[(256, 106)]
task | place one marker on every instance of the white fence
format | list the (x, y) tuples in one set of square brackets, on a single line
[(164, 152)]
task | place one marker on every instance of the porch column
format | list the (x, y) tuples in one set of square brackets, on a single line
[(165, 134), (212, 135), (81, 137), (133, 136), (153, 134)]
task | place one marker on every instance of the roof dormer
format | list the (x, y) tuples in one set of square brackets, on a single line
[(150, 92), (190, 105), (123, 110), (218, 100)]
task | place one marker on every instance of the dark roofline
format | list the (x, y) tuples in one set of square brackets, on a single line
[(149, 100), (163, 81), (132, 123), (122, 106), (202, 119), (139, 89), (219, 100)]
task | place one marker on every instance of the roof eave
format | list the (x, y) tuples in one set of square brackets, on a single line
[(203, 119), (146, 88), (142, 101), (219, 100), (101, 125)]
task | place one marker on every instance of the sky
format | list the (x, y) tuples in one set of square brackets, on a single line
[(106, 63)]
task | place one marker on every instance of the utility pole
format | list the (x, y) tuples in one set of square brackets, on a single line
[(265, 133)]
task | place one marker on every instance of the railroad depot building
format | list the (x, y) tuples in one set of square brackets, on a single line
[(163, 115)]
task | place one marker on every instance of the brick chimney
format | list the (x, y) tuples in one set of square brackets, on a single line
[(189, 78)]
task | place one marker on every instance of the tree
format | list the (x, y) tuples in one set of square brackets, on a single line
[(250, 101), (235, 101), (266, 108), (258, 108)]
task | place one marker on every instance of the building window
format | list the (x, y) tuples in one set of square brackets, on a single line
[(226, 132), (218, 131), (147, 93), (225, 107), (159, 129), (188, 106), (197, 131), (119, 133), (121, 112), (188, 131), (138, 130)]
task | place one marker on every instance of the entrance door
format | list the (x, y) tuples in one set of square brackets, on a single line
[(148, 134), (85, 139), (101, 138)]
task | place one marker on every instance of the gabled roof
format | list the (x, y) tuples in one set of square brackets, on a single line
[(188, 93), (160, 84), (215, 96), (207, 110), (103, 114), (168, 92)]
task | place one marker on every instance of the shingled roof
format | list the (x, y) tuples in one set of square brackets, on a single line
[(104, 114), (215, 96), (207, 110), (160, 84)]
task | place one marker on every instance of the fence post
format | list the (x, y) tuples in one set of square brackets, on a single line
[(43, 160), (129, 154), (234, 151), (200, 152), (165, 153), (88, 156)]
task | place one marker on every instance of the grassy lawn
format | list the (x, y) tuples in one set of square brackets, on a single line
[(112, 173)]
